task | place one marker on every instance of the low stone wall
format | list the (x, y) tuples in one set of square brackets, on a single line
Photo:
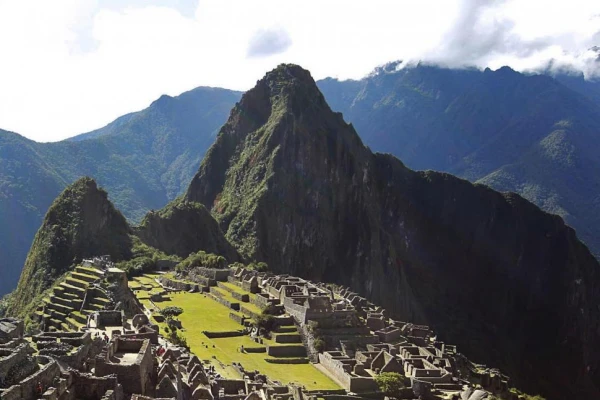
[(12, 393), (248, 312), (87, 386), (261, 349), (45, 375), (288, 338), (240, 319), (11, 357), (180, 285), (225, 334), (241, 297), (219, 275), (300, 360), (351, 383), (153, 336), (286, 351), (263, 301), (226, 303)]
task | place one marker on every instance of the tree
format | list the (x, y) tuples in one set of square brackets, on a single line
[(390, 383), (170, 312)]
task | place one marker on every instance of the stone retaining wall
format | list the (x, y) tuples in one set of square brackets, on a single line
[(286, 351), (225, 334), (301, 360), (240, 319), (226, 303), (179, 285)]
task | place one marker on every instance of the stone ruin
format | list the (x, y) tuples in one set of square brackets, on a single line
[(358, 341)]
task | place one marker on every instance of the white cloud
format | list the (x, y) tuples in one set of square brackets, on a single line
[(71, 66)]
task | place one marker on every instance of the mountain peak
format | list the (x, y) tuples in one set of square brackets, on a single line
[(80, 223)]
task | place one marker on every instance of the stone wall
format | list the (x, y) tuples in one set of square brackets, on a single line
[(262, 300), (219, 275), (12, 357), (45, 375), (108, 318), (89, 387), (356, 384), (180, 285), (135, 378), (216, 296), (12, 393), (286, 351), (240, 319)]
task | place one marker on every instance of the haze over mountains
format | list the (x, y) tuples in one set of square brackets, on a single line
[(533, 135)]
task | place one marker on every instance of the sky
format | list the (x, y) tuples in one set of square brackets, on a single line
[(71, 66)]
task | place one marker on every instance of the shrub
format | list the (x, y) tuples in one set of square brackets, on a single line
[(265, 320), (319, 345), (390, 383), (170, 312), (258, 267)]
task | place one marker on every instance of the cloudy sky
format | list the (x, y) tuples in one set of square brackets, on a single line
[(70, 66)]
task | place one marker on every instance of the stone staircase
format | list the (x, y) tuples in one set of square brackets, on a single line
[(73, 300)]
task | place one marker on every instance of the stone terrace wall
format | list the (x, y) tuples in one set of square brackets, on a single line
[(180, 285), (11, 357), (45, 375), (92, 387), (219, 275)]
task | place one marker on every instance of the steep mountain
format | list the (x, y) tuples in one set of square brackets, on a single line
[(144, 159), (530, 134), (182, 228), (292, 184), (80, 223)]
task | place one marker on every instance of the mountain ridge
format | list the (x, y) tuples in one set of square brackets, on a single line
[(293, 185), (143, 159)]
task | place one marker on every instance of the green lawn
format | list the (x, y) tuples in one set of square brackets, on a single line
[(201, 313)]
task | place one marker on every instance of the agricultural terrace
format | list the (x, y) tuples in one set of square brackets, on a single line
[(202, 313)]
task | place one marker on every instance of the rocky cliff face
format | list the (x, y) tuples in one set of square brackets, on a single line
[(80, 223), (290, 183)]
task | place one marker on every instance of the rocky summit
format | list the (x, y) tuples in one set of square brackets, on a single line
[(293, 185)]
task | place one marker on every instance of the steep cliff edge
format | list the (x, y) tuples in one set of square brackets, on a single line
[(80, 223), (290, 183)]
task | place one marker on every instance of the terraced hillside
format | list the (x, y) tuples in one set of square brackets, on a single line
[(213, 324), (71, 301)]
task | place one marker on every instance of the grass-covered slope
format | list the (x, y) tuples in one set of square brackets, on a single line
[(143, 159), (80, 223), (292, 184)]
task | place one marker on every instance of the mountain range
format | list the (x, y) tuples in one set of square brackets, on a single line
[(287, 181), (145, 159), (533, 135)]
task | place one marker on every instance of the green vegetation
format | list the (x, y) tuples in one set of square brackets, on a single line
[(201, 313), (390, 383), (201, 259), (143, 258), (143, 159), (172, 311), (184, 227), (80, 223)]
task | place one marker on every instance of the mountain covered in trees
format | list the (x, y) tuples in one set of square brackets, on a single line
[(531, 134), (534, 135), (292, 184), (144, 159)]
